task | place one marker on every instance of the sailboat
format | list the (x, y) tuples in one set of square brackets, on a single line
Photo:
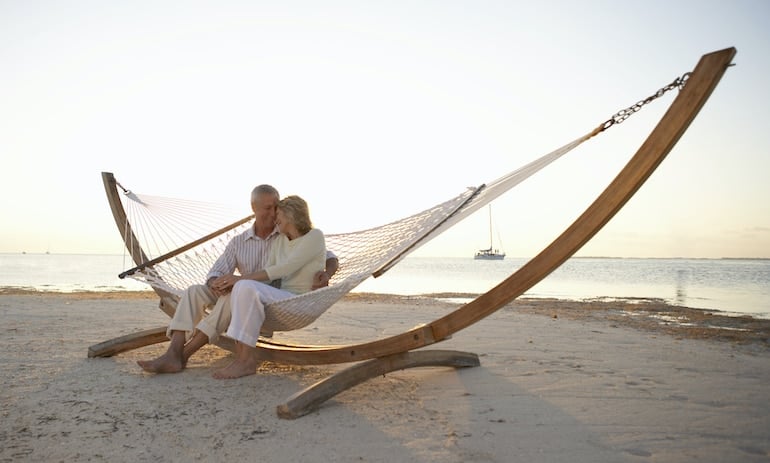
[(490, 253)]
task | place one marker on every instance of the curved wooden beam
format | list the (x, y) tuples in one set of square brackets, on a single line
[(396, 352), (121, 219), (672, 125)]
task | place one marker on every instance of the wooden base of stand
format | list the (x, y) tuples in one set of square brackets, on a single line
[(307, 400), (128, 342)]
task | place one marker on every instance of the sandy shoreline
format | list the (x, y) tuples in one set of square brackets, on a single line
[(651, 315), (559, 381)]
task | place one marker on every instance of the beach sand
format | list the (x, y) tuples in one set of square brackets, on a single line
[(559, 381)]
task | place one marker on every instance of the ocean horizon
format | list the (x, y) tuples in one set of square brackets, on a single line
[(732, 285)]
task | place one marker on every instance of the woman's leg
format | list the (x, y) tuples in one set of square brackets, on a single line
[(247, 306), (247, 315), (244, 364), (171, 361)]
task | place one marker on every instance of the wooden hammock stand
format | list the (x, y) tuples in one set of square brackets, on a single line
[(399, 352)]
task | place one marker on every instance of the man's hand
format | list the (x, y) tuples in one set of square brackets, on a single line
[(221, 286), (320, 279)]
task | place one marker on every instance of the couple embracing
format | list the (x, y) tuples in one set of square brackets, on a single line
[(279, 256)]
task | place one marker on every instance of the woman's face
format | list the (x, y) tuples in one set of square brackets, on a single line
[(285, 225)]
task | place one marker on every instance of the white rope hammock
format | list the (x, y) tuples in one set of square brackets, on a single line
[(161, 225)]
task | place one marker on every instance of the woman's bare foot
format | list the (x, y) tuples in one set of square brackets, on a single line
[(173, 361), (166, 363), (236, 369)]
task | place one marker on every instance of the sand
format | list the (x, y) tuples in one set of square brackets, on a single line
[(597, 381)]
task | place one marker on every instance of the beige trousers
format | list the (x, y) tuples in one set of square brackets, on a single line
[(200, 308)]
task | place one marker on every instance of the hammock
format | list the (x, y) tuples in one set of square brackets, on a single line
[(361, 254), (372, 252)]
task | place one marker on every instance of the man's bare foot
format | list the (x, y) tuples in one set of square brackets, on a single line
[(236, 369), (166, 363)]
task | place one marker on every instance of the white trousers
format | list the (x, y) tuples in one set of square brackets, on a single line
[(247, 303), (193, 309)]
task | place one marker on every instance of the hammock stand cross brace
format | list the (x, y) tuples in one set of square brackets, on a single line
[(399, 352)]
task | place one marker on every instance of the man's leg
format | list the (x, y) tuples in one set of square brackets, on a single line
[(191, 309), (188, 312), (217, 321), (209, 328)]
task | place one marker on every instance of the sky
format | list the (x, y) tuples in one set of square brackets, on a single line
[(374, 110)]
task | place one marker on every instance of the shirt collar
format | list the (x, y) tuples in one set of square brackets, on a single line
[(250, 235)]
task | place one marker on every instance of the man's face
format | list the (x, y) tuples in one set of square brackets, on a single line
[(264, 210)]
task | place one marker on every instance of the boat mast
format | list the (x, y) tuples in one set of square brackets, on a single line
[(490, 228)]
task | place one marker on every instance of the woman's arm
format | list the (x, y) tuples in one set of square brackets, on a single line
[(224, 284), (303, 251)]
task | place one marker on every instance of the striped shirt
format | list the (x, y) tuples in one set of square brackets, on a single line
[(246, 253)]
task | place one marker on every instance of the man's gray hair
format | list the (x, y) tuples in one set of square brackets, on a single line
[(264, 189)]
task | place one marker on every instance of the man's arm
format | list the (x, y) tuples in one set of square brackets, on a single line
[(322, 278), (224, 266)]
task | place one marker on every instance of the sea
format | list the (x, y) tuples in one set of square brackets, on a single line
[(732, 286)]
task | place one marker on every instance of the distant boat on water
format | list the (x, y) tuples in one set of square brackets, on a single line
[(490, 253)]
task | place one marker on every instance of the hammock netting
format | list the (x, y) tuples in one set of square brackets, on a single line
[(161, 225)]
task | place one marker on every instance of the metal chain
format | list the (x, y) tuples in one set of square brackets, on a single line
[(624, 114)]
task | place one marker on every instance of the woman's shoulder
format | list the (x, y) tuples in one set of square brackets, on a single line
[(316, 234)]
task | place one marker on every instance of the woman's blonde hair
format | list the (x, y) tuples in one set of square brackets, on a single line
[(296, 210)]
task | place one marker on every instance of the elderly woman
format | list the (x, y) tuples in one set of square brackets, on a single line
[(295, 257)]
